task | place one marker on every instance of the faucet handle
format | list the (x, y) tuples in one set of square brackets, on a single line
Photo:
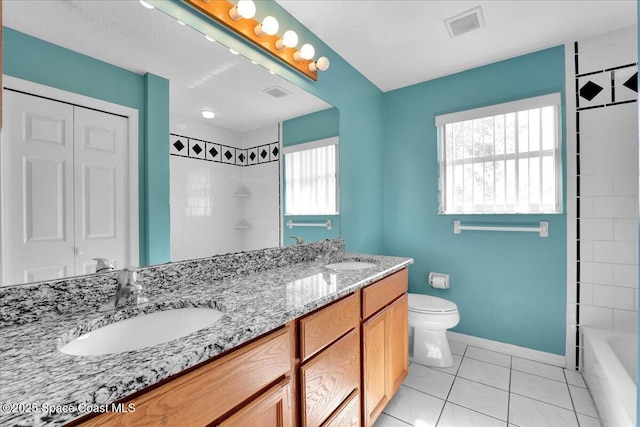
[(103, 264)]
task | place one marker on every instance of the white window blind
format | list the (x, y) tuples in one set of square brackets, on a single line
[(503, 158), (311, 178)]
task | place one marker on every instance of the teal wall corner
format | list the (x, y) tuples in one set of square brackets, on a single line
[(360, 106), (156, 158), (311, 127), (509, 287)]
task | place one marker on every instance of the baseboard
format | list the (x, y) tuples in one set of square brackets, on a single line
[(513, 350)]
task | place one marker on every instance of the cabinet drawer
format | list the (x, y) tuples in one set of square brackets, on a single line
[(384, 291), (203, 395), (348, 414), (321, 328), (327, 380)]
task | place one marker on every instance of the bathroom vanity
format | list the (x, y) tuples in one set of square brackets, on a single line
[(298, 344)]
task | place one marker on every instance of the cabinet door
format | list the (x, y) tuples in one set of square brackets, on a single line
[(329, 378), (398, 342), (271, 409), (375, 366)]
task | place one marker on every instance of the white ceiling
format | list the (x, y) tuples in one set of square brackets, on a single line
[(202, 74), (399, 43)]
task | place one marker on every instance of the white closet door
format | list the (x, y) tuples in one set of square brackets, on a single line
[(101, 189), (65, 175), (37, 178)]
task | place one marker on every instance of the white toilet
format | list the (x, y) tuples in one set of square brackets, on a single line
[(429, 319)]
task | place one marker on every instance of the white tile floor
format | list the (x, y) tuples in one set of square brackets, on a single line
[(485, 389)]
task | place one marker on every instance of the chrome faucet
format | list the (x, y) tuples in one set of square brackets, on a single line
[(127, 287), (326, 250), (103, 265)]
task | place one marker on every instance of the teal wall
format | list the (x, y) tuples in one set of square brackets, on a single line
[(360, 123), (509, 287), (32, 59), (311, 127)]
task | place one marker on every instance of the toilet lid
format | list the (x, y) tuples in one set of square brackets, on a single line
[(429, 304)]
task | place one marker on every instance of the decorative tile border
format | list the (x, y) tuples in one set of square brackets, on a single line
[(184, 146)]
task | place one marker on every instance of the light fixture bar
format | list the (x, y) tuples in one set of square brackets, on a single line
[(219, 11)]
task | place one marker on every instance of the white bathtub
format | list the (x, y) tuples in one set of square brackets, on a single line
[(610, 370)]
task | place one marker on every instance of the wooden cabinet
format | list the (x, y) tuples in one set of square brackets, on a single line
[(271, 409), (385, 358), (211, 392), (330, 369)]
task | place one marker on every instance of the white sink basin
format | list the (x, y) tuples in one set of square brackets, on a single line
[(142, 331), (350, 265)]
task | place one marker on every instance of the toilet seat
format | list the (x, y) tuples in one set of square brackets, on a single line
[(430, 305)]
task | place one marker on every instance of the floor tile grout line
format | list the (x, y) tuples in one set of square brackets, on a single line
[(395, 418), (542, 401), (476, 411), (451, 388), (540, 376)]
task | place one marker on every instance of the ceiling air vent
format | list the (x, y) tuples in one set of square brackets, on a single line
[(277, 92), (469, 20)]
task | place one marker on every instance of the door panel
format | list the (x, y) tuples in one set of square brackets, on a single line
[(101, 193), (37, 173), (43, 193)]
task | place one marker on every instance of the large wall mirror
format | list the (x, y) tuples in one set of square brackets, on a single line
[(226, 172)]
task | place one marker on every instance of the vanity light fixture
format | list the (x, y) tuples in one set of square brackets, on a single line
[(306, 52), (321, 64), (269, 26), (208, 114), (244, 9), (289, 39), (238, 17), (147, 5)]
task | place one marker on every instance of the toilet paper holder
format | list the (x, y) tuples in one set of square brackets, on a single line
[(439, 280)]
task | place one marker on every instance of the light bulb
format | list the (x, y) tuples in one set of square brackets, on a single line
[(269, 26), (321, 64), (234, 52), (147, 5), (306, 52), (208, 114), (210, 38), (244, 9), (289, 39)]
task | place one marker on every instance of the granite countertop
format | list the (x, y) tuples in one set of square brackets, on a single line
[(35, 377)]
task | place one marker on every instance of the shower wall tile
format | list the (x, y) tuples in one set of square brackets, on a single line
[(613, 297), (598, 317), (625, 320), (606, 199)]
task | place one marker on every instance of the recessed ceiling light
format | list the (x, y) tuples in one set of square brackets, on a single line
[(208, 114), (147, 5)]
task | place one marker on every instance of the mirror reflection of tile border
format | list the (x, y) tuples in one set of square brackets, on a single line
[(194, 148)]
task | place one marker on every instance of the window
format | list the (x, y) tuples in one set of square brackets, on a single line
[(503, 158), (311, 178)]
